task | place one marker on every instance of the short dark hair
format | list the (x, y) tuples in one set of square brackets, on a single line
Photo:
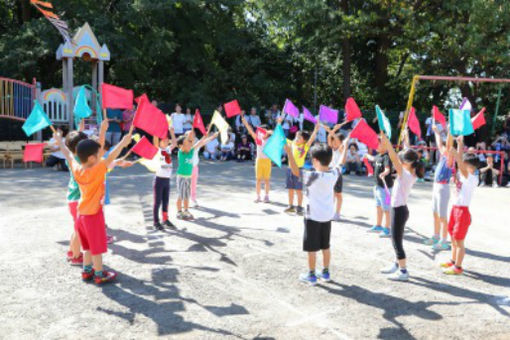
[(304, 134), (471, 159), (355, 146), (322, 152), (340, 136), (180, 140), (87, 148), (73, 138), (411, 156)]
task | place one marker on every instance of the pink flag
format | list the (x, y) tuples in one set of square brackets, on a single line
[(145, 149), (328, 114), (479, 120), (370, 169), (261, 133), (352, 110), (150, 119), (308, 115), (198, 122), (232, 108), (438, 116), (290, 108), (33, 153), (143, 96), (115, 97), (413, 123), (365, 134)]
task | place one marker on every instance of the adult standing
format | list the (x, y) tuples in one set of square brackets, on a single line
[(254, 119), (127, 120), (178, 119), (114, 131), (188, 120)]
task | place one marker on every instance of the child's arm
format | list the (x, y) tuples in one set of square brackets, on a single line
[(102, 132), (63, 148), (442, 149), (391, 152), (248, 127), (407, 144), (458, 157), (117, 149), (345, 149), (292, 162), (204, 140), (81, 127), (174, 140), (314, 134)]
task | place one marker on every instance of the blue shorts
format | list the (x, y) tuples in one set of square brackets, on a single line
[(294, 182), (380, 196)]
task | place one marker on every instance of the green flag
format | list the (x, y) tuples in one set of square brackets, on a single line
[(81, 106), (37, 120), (384, 122)]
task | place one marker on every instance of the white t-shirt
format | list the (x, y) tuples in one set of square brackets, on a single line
[(212, 146), (164, 169), (336, 159), (402, 188), (260, 149), (196, 158), (188, 121), (53, 143), (464, 189), (178, 122), (318, 185)]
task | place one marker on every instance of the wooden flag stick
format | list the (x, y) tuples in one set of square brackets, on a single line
[(53, 129)]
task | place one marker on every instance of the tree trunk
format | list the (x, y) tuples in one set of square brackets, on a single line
[(381, 64), (346, 58), (25, 10)]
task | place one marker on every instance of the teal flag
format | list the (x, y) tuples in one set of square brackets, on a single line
[(460, 122), (274, 145), (37, 120), (384, 122), (81, 106)]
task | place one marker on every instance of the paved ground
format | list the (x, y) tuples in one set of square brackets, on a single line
[(233, 272)]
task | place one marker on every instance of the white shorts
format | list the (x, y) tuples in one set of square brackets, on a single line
[(440, 199)]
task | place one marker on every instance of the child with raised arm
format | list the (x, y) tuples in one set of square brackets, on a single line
[(196, 161), (186, 144), (408, 168), (460, 217), (300, 146), (161, 182), (339, 149), (90, 176), (441, 192), (262, 162), (320, 207)]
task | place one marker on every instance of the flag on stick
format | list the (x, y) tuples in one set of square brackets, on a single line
[(365, 134), (274, 145), (222, 125), (308, 115), (460, 122), (81, 106), (479, 120), (36, 121), (115, 97), (198, 122), (466, 105), (232, 108), (327, 114), (145, 149), (438, 116), (384, 122), (290, 108), (413, 123), (150, 119), (143, 96), (352, 110)]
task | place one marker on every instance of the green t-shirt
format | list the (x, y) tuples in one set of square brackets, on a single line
[(185, 167), (73, 190)]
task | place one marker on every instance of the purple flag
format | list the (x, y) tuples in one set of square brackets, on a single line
[(466, 105), (290, 108), (308, 115), (328, 114)]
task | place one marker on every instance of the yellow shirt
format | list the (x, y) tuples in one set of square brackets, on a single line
[(299, 151)]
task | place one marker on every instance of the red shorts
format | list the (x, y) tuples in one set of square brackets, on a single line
[(460, 219), (73, 209), (92, 232)]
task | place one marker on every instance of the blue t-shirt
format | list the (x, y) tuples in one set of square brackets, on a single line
[(114, 114), (443, 173)]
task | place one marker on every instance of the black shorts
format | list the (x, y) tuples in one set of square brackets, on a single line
[(339, 184), (316, 236)]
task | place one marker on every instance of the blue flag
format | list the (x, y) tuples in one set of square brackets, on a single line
[(81, 106), (384, 122), (37, 120), (274, 145), (460, 122)]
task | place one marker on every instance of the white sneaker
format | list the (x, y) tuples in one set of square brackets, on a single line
[(390, 269), (399, 276)]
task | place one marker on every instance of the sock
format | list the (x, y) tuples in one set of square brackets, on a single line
[(436, 236), (325, 270), (165, 216), (444, 240), (312, 272), (452, 261), (403, 270), (99, 273), (87, 269)]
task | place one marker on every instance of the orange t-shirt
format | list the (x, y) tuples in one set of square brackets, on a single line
[(91, 183)]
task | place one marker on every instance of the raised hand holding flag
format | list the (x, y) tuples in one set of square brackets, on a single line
[(365, 134), (150, 119), (327, 114), (460, 122), (308, 115), (384, 122), (36, 121), (438, 116), (81, 106), (115, 97), (232, 108)]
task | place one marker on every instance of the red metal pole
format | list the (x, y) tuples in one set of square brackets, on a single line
[(473, 79), (501, 155)]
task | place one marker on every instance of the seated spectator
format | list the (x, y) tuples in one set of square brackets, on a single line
[(488, 174), (240, 129), (244, 149), (353, 161), (211, 150), (56, 160), (227, 150)]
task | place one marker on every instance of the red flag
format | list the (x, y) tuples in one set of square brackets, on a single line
[(352, 110), (232, 108), (261, 133), (143, 96), (479, 120), (33, 153), (115, 97), (438, 116), (370, 169), (413, 123), (145, 149), (198, 122), (365, 134), (150, 119)]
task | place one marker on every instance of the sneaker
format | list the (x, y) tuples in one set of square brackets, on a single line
[(107, 276), (110, 239), (158, 226), (375, 229), (87, 276), (180, 215), (441, 245), (390, 269), (399, 276), (187, 216), (299, 211), (431, 241), (309, 278), (169, 224), (70, 255), (258, 200), (76, 261), (385, 232), (266, 199), (453, 270), (336, 218), (447, 264), (290, 210), (324, 276)]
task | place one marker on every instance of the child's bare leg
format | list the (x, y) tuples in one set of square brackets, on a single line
[(454, 249), (257, 187), (339, 200), (299, 198), (291, 197), (97, 262), (461, 251), (402, 263), (444, 225), (387, 219), (437, 224), (186, 204), (87, 258), (378, 220), (179, 204), (312, 259), (266, 186), (326, 257), (75, 245)]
